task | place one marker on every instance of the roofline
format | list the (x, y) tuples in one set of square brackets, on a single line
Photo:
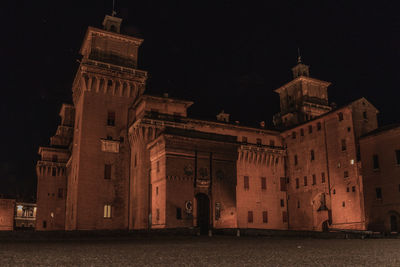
[(161, 98), (302, 78)]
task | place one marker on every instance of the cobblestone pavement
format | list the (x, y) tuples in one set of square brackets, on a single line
[(202, 251)]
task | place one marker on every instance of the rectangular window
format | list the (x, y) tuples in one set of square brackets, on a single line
[(322, 177), (294, 135), (353, 189), (158, 166), (398, 157), (343, 144), (111, 118), (319, 126), (312, 155), (295, 160), (284, 217), (53, 171), (246, 183), (305, 180), (259, 142), (107, 171), (346, 174), (271, 142), (283, 184), (375, 161), (244, 139), (44, 224), (158, 214), (107, 211), (378, 191), (282, 203), (178, 213), (250, 217), (297, 183), (340, 116), (156, 190), (365, 115), (314, 179), (347, 189), (309, 128), (265, 216), (263, 183), (302, 132), (60, 193)]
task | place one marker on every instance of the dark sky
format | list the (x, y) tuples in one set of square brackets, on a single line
[(227, 55)]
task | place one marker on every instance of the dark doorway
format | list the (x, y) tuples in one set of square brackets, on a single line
[(203, 213), (325, 227), (393, 223)]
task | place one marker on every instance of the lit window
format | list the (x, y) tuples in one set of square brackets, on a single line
[(107, 211), (352, 161)]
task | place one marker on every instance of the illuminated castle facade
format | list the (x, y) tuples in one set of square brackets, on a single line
[(121, 159)]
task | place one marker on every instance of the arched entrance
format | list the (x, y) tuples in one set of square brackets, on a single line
[(203, 213), (393, 223)]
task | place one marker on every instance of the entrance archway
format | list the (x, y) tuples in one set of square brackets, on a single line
[(393, 223), (203, 213)]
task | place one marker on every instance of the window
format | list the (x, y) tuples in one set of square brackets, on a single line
[(346, 174), (318, 126), (54, 158), (378, 191), (107, 211), (343, 144), (53, 172), (297, 183), (283, 184), (334, 191), (314, 179), (265, 216), (375, 161), (309, 128), (305, 180), (295, 160), (250, 217), (263, 183), (107, 171), (246, 183), (259, 142), (398, 157), (322, 177), (156, 190), (302, 132), (349, 129), (282, 203), (244, 139), (271, 142), (44, 224), (340, 116), (312, 155), (298, 204), (284, 216), (111, 118), (294, 135), (347, 189), (343, 204), (365, 115), (157, 214), (60, 193), (158, 166), (178, 213), (135, 160), (353, 189)]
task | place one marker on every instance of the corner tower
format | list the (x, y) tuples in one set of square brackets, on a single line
[(105, 86), (302, 99)]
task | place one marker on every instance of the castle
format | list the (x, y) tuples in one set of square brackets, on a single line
[(121, 159)]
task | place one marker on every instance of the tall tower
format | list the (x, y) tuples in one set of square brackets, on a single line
[(302, 99), (105, 86)]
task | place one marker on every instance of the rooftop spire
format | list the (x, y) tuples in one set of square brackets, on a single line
[(298, 55), (300, 69), (113, 13), (112, 23)]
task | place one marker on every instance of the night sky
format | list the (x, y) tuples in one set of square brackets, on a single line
[(227, 55)]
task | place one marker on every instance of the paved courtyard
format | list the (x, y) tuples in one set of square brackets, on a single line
[(202, 251)]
